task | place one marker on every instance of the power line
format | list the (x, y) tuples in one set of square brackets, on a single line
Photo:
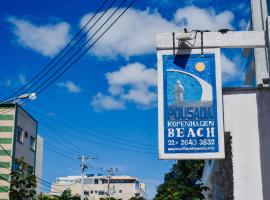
[(96, 142), (94, 129), (12, 158), (107, 145), (66, 54), (96, 136), (84, 52), (70, 145), (59, 54), (101, 143)]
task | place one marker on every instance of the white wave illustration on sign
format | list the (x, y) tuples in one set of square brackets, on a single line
[(207, 94)]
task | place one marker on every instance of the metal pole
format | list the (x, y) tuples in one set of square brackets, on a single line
[(83, 174), (109, 176), (84, 159), (259, 16)]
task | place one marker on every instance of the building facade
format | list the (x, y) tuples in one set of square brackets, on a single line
[(39, 162), (97, 187), (18, 135), (244, 174)]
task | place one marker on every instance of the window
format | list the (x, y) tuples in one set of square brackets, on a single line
[(86, 193), (32, 143), (91, 191), (122, 181), (20, 134), (26, 134), (96, 181), (101, 192), (88, 181), (104, 181), (120, 191)]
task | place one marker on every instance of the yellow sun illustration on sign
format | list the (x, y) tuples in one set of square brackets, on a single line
[(200, 66)]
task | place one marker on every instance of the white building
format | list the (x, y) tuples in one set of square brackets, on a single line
[(39, 162), (96, 187)]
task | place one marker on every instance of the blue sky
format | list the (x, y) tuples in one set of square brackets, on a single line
[(111, 91)]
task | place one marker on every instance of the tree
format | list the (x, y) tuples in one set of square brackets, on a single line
[(23, 182), (137, 198), (45, 197), (66, 195), (183, 182)]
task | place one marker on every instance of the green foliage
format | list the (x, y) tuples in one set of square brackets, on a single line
[(66, 195), (108, 198), (23, 182), (183, 182), (137, 198), (45, 197)]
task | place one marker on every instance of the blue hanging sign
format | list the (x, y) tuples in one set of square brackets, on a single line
[(190, 105)]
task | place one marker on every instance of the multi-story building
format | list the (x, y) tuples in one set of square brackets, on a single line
[(96, 187), (39, 162), (18, 136)]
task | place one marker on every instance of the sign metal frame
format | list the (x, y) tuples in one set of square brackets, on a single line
[(187, 156)]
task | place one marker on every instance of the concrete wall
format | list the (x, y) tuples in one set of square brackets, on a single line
[(247, 119), (7, 121), (241, 120), (39, 162), (263, 101)]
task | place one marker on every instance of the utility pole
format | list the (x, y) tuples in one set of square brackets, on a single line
[(110, 172), (84, 166)]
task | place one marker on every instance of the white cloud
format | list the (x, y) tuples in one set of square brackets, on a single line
[(22, 79), (8, 82), (243, 24), (132, 74), (70, 86), (142, 96), (134, 34), (14, 81), (132, 83), (203, 19), (230, 69), (47, 40), (102, 102)]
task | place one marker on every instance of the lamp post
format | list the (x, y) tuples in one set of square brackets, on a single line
[(30, 96)]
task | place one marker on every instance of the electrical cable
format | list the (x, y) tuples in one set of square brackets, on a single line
[(134, 149), (12, 158), (107, 145), (66, 54), (78, 51), (84, 52), (70, 145), (59, 54), (93, 135), (94, 129)]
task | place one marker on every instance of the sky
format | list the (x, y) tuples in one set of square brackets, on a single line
[(106, 105)]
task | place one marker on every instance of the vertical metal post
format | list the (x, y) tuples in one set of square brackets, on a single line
[(84, 160), (108, 177), (258, 18), (83, 174), (268, 43)]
